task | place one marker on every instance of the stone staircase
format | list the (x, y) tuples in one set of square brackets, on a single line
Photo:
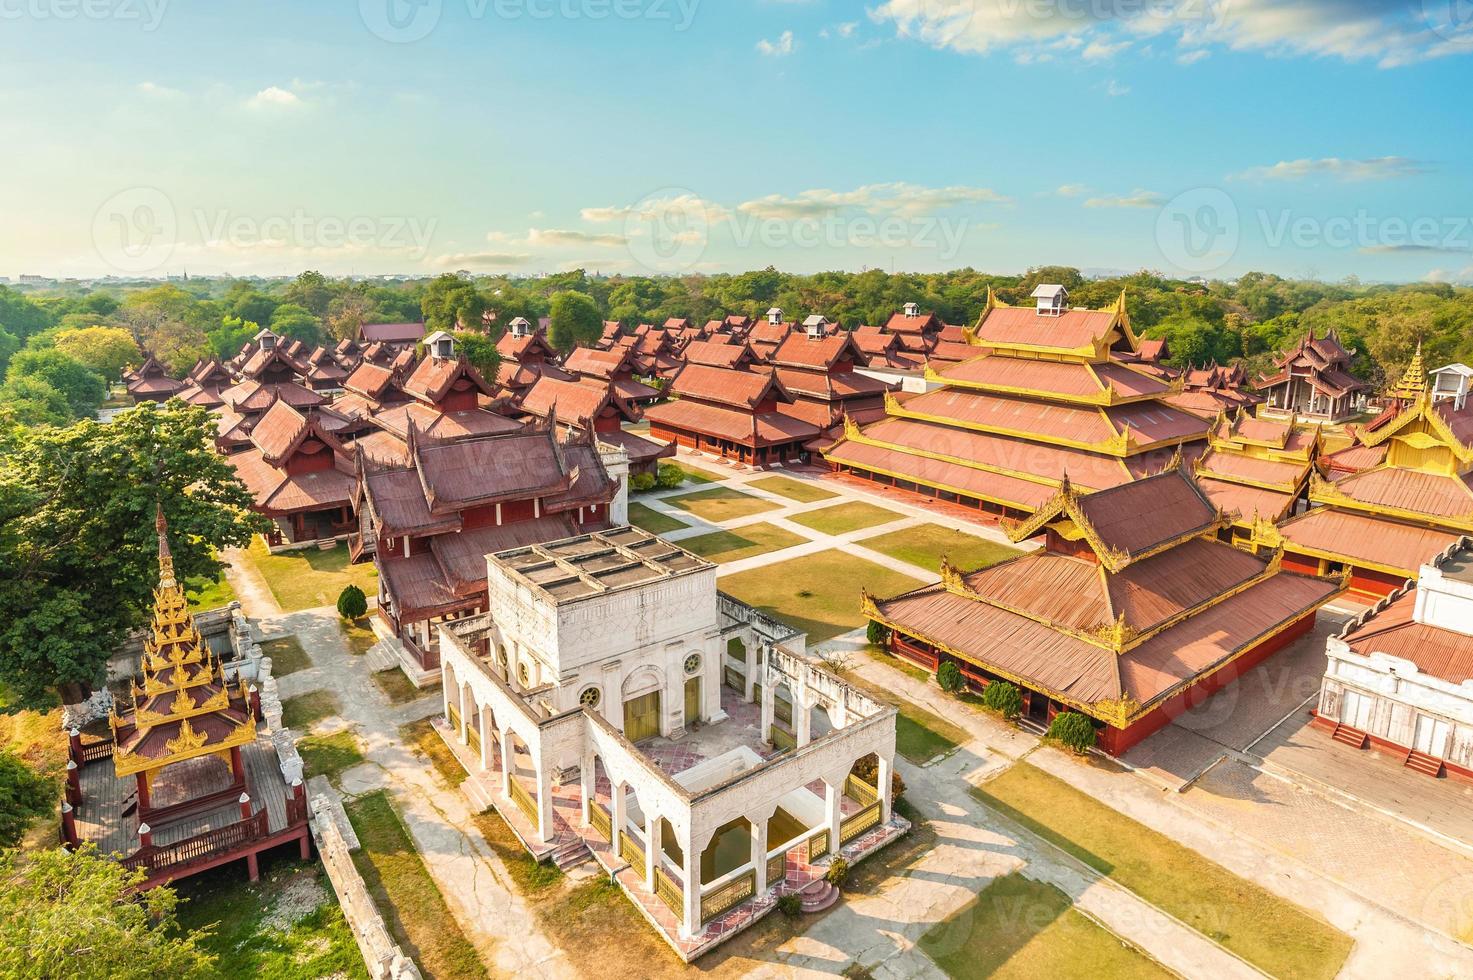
[(1353, 737), (571, 853), (818, 895)]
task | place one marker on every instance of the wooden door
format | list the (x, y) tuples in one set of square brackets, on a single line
[(642, 717), (692, 700)]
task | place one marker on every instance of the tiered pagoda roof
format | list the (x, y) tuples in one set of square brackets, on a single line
[(1258, 467), (1132, 600), (183, 707), (1042, 394)]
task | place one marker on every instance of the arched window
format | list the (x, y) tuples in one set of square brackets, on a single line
[(590, 697)]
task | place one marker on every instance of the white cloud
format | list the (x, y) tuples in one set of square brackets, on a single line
[(1375, 168), (274, 97), (1102, 51), (1135, 199), (1116, 89), (894, 198), (552, 237), (154, 90), (781, 48), (482, 260), (1389, 33), (1072, 190), (1192, 57)]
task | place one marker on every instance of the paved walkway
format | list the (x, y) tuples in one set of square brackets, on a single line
[(471, 877)]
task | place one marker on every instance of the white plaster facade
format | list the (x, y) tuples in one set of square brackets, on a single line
[(517, 680), (1390, 697)]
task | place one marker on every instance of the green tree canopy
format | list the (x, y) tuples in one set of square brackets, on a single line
[(480, 351), (84, 391), (25, 794), (575, 320), (233, 333), (105, 351), (20, 316), (32, 401), (66, 915), (297, 322), (451, 303), (78, 551)]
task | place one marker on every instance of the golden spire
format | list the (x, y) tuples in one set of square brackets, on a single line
[(1414, 381), (166, 557)]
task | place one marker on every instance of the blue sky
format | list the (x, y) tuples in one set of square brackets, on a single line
[(1323, 137)]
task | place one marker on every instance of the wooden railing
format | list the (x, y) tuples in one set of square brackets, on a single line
[(96, 751), (782, 740), (631, 851), (728, 896), (428, 659), (473, 736), (601, 821), (860, 791), (777, 869), (202, 847), (454, 717), (818, 846), (854, 825), (669, 892), (524, 801)]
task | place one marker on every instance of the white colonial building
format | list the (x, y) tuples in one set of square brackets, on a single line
[(613, 704), (1400, 676)]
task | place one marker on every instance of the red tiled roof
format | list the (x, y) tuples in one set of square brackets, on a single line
[(1394, 631), (802, 351), (1246, 502), (1134, 518), (392, 333), (717, 354), (1011, 325), (1364, 539), (434, 378), (1412, 490), (727, 387), (770, 428), (577, 402)]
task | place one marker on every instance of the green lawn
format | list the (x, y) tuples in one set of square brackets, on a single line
[(406, 894), (1020, 929), (799, 490), (652, 520), (303, 710), (694, 474), (287, 655), (745, 542), (359, 634), (920, 735), (205, 595), (1277, 936), (398, 688), (817, 593), (329, 755), (720, 504), (924, 544), (311, 578), (843, 518), (287, 926)]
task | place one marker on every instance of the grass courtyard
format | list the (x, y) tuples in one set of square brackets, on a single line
[(817, 593), (720, 504), (287, 655), (924, 544), (641, 515), (401, 885), (205, 595), (1275, 935), (799, 490), (694, 474), (307, 579), (846, 517), (1019, 929), (744, 542), (330, 755), (305, 710)]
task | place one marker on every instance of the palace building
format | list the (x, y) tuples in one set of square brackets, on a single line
[(185, 781), (1411, 501), (1258, 469), (615, 707), (744, 415), (1133, 611), (1313, 379), (526, 356), (1399, 677), (596, 404), (150, 382), (1047, 392)]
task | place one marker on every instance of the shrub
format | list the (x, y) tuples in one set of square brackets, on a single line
[(24, 795), (949, 676), (1074, 730), (838, 871), (877, 633), (352, 603), (642, 482), (670, 476), (1003, 698), (790, 905)]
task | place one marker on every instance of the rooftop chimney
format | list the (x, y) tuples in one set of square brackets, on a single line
[(441, 345), (267, 340), (521, 327), (775, 316)]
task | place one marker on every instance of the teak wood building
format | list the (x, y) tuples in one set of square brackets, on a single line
[(1047, 392), (1132, 612)]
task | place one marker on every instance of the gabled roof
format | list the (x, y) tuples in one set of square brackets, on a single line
[(436, 377), (517, 347), (576, 402), (922, 323), (599, 363), (800, 350), (1132, 521), (391, 333), (1075, 330), (718, 354), (283, 430), (371, 380), (743, 389)]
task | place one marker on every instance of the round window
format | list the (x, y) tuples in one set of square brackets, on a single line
[(693, 663), (523, 674), (590, 697)]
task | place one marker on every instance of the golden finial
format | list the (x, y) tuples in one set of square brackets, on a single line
[(166, 557)]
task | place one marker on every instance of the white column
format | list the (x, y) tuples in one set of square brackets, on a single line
[(834, 811), (508, 758), (586, 787), (759, 852), (446, 680), (465, 703), (651, 847), (749, 673), (769, 707), (883, 775), (690, 920), (802, 717), (544, 800)]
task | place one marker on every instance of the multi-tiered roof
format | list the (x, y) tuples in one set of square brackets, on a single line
[(1047, 392), (183, 707), (1258, 468)]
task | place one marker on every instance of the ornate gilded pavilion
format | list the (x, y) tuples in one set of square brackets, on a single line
[(1258, 468), (183, 711), (1050, 391)]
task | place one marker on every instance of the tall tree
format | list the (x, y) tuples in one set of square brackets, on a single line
[(452, 303), (105, 351), (84, 390), (78, 552), (65, 914), (575, 320)]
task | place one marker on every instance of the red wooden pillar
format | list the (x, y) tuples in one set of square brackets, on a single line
[(73, 783), (254, 697), (74, 744), (245, 809), (144, 802), (69, 827), (253, 868), (237, 765)]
